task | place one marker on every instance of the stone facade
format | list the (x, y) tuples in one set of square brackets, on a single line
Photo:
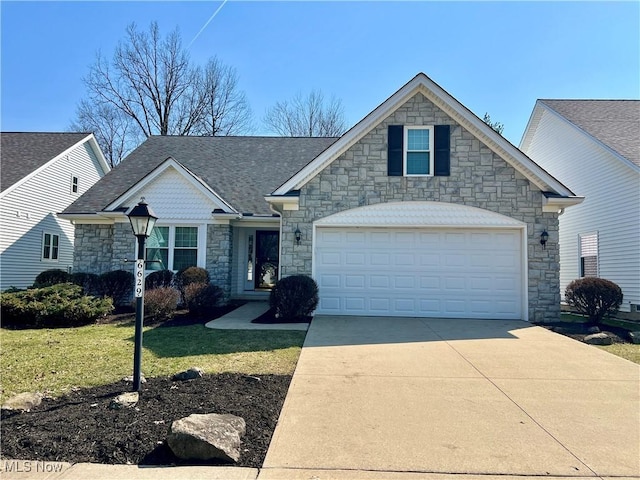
[(479, 178), (219, 256), (102, 248)]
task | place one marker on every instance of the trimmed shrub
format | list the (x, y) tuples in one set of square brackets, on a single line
[(294, 297), (118, 285), (160, 303), (187, 276), (202, 297), (594, 297), (61, 305), (190, 275), (51, 277), (90, 282), (159, 278)]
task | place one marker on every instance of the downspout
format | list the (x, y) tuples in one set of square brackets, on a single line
[(274, 210)]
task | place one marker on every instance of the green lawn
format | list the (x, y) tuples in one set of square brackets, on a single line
[(629, 351), (54, 360)]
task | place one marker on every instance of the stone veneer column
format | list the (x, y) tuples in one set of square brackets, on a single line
[(93, 248), (219, 257)]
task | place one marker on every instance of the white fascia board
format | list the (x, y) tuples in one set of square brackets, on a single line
[(555, 204), (94, 218), (99, 155), (496, 142), (46, 165), (591, 137), (532, 126), (423, 84), (286, 202), (356, 132), (192, 178)]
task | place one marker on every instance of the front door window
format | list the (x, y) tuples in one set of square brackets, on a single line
[(266, 260)]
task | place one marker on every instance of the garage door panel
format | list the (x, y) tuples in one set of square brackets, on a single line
[(419, 272)]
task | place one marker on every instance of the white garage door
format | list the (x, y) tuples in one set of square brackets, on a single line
[(449, 273)]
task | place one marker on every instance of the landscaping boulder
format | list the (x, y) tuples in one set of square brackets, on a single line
[(23, 402), (207, 436), (594, 329), (126, 400), (634, 337), (598, 339), (191, 374)]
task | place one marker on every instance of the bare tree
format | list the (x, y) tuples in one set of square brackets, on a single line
[(151, 82), (307, 116), (497, 126), (226, 110), (114, 131)]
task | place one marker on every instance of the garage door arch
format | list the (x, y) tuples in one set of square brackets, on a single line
[(425, 259)]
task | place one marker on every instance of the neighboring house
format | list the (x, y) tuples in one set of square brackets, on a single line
[(594, 146), (41, 175), (420, 209)]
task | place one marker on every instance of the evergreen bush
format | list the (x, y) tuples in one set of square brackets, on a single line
[(294, 297)]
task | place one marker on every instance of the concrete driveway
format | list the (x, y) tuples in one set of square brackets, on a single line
[(382, 398)]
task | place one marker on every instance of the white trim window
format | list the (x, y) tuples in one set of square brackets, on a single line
[(588, 255), (50, 247), (418, 151), (74, 184), (174, 247)]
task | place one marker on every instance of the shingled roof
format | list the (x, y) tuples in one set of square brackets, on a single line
[(616, 123), (242, 170), (22, 153)]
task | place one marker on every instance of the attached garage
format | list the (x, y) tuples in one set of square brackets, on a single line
[(420, 259)]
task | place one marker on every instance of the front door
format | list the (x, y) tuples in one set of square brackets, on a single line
[(266, 258)]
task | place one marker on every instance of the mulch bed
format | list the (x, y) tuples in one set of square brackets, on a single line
[(578, 331), (270, 317), (80, 427)]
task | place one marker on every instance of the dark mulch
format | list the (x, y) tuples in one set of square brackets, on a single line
[(80, 427), (181, 318), (578, 331), (270, 317)]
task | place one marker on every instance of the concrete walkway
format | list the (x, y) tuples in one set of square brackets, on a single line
[(383, 398), (240, 319)]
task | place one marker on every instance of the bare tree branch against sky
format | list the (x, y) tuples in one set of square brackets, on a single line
[(496, 57)]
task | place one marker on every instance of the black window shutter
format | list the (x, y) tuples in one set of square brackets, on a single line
[(394, 153), (442, 157)]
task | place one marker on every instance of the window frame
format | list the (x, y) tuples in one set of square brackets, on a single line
[(51, 246), (594, 238), (430, 151), (74, 184), (171, 246)]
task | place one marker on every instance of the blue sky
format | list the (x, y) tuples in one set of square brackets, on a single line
[(495, 57)]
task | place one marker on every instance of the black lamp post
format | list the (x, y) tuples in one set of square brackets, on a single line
[(142, 221)]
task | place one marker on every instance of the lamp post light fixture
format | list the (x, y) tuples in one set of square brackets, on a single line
[(544, 236), (142, 221)]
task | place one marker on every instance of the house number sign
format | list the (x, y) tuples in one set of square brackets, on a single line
[(139, 278)]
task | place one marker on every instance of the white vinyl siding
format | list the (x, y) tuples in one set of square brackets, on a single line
[(31, 209), (611, 206)]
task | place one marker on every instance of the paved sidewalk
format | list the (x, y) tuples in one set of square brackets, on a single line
[(402, 397), (31, 470), (240, 319)]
